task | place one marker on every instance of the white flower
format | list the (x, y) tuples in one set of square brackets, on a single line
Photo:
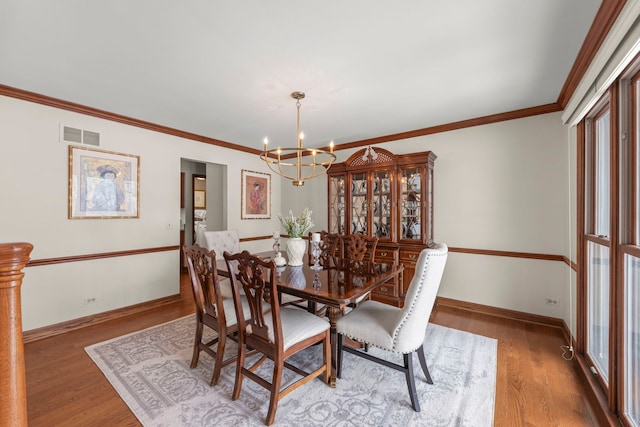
[(297, 227)]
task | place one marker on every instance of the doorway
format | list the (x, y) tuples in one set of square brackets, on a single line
[(214, 198)]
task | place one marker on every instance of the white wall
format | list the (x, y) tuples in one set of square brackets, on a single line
[(504, 187), (34, 192)]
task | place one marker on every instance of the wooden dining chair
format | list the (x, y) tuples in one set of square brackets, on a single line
[(359, 247), (394, 329), (277, 333), (359, 250), (212, 309)]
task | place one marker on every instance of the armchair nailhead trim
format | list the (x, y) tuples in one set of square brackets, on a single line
[(413, 303)]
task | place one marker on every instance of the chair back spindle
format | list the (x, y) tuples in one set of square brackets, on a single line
[(256, 277), (204, 281)]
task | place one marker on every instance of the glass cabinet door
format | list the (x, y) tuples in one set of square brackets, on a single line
[(411, 204), (337, 204), (428, 228), (381, 201), (359, 201)]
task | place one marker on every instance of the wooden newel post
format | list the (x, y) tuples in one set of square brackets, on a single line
[(13, 394)]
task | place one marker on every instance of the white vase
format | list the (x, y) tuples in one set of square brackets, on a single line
[(296, 248)]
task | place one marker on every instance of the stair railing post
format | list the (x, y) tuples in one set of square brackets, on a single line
[(13, 396)]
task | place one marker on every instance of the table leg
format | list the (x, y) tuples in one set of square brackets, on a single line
[(334, 314)]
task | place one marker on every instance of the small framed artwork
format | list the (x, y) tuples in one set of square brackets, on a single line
[(103, 184), (256, 195), (199, 199)]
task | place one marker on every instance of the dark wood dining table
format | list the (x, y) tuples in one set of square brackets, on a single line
[(336, 287)]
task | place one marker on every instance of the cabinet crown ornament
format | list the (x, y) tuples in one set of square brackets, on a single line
[(369, 156)]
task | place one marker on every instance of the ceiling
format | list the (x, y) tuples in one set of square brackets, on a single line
[(225, 69)]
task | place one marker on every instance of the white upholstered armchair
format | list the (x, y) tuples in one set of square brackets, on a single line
[(398, 330), (220, 241)]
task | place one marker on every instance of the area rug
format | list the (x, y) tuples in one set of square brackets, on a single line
[(150, 371)]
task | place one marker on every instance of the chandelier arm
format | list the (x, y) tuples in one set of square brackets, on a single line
[(279, 171), (331, 158), (270, 162)]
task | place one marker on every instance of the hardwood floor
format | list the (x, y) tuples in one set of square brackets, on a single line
[(535, 385)]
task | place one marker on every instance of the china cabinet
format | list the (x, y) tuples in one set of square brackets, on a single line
[(377, 193)]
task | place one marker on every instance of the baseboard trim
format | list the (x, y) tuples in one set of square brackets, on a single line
[(504, 313), (71, 325), (519, 316)]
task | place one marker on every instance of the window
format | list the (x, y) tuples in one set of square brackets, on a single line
[(632, 338), (603, 160), (630, 249), (609, 318), (598, 230)]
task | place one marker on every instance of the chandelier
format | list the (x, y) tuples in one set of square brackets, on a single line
[(319, 161)]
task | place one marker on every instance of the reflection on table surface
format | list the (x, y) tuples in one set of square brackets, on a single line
[(339, 284)]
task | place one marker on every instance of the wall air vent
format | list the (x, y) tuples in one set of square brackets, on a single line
[(79, 136), (90, 138), (70, 134)]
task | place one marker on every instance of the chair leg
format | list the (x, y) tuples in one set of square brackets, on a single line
[(326, 346), (408, 364), (196, 345), (217, 367), (339, 361), (423, 363), (275, 391), (239, 367)]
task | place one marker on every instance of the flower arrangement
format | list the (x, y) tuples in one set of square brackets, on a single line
[(297, 227)]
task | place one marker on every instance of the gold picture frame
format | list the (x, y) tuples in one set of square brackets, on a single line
[(103, 184), (256, 195), (199, 199)]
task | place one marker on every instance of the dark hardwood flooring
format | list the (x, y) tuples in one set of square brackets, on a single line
[(535, 385)]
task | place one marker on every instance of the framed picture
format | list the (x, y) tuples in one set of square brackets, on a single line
[(256, 195), (199, 199), (103, 184)]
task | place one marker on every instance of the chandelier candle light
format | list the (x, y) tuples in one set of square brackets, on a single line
[(276, 157)]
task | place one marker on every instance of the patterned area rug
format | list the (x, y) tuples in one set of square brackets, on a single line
[(150, 371)]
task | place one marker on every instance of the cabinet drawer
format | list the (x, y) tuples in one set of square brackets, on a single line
[(388, 289), (409, 256), (384, 254)]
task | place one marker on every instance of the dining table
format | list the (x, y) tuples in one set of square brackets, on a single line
[(336, 287)]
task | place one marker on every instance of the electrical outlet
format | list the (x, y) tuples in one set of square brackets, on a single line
[(90, 300), (551, 301)]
